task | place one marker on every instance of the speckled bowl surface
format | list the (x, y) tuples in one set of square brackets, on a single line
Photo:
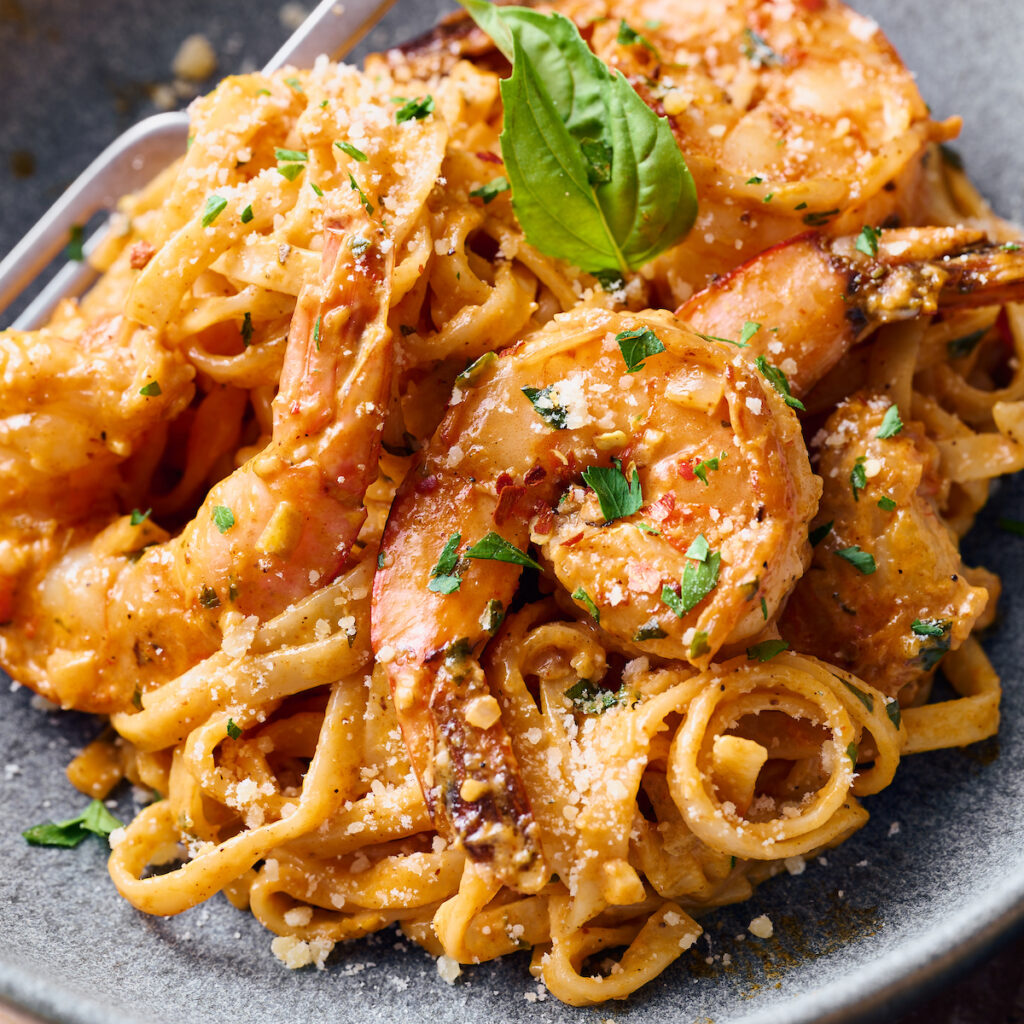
[(930, 884)]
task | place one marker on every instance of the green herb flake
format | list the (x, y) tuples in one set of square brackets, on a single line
[(349, 150), (650, 630), (316, 331), (246, 330), (699, 549), (138, 517), (591, 699), (381, 559), (233, 731), (75, 249), (637, 345), (208, 597), (891, 422), (819, 533), (858, 477), (415, 110), (867, 241), (477, 370), (862, 561), (491, 190), (212, 209), (95, 819), (137, 699), (750, 328), (151, 390), (316, 189), (492, 617), (1012, 526), (851, 753), (757, 50), (246, 215), (766, 650), (764, 609), (444, 578), (929, 627), (892, 709), (354, 185), (547, 406), (579, 594), (223, 518), (727, 341), (700, 471), (648, 529), (290, 171), (617, 496), (699, 644), (495, 548), (755, 180), (294, 83), (865, 698), (778, 380), (961, 348), (886, 503), (820, 218)]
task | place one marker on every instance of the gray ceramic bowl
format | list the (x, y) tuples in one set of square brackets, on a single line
[(884, 921)]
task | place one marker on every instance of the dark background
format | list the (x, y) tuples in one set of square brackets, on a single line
[(74, 75)]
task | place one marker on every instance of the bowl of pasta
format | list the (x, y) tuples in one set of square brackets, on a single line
[(530, 516)]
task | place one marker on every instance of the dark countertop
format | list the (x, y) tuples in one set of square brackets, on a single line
[(72, 82)]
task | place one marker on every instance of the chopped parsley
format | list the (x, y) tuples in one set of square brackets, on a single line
[(892, 709), (617, 496), (95, 820), (778, 380), (700, 577), (579, 594), (349, 150), (151, 390), (317, 189), (491, 190), (699, 644), (960, 348), (591, 699), (637, 345), (233, 730), (647, 528), (757, 50), (727, 341), (367, 205), (858, 477), (750, 328), (862, 561), (294, 83), (650, 630), (819, 533), (495, 548), (246, 330), (138, 517), (316, 331), (212, 209), (867, 240), (755, 180), (474, 373), (75, 249), (865, 698), (492, 617), (936, 639), (223, 518), (891, 422), (444, 578), (547, 406), (208, 597), (851, 753), (290, 162), (700, 471), (819, 219), (929, 627), (246, 215), (766, 650), (359, 245), (415, 110), (764, 609), (886, 503)]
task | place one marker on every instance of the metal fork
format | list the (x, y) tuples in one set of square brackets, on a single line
[(139, 154)]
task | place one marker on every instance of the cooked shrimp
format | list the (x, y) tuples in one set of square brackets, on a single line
[(789, 114), (702, 538), (813, 297), (264, 536), (887, 590)]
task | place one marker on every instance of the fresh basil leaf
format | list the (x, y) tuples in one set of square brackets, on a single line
[(891, 422), (865, 698), (546, 405), (892, 709), (495, 548), (622, 200), (637, 345), (95, 819), (617, 496)]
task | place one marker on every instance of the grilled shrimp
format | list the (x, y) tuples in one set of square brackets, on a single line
[(687, 537), (264, 535), (887, 590), (790, 115), (817, 296)]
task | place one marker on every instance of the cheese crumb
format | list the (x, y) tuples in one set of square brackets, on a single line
[(762, 927), (448, 968)]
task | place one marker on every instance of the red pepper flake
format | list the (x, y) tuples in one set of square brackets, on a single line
[(427, 485), (490, 158), (663, 507), (507, 499), (534, 476), (575, 539), (545, 520), (141, 253), (685, 469)]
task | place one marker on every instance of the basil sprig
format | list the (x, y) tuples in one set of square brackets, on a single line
[(597, 177)]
